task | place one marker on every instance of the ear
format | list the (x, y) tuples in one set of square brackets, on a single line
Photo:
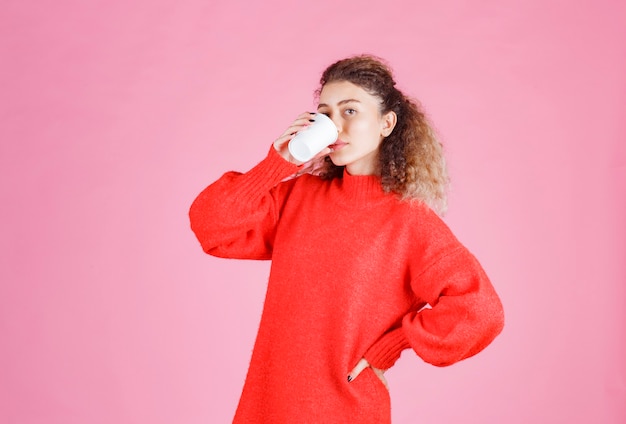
[(388, 123)]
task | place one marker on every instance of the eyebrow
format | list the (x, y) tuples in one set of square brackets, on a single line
[(340, 103)]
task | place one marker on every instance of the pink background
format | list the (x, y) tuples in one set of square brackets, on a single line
[(114, 115)]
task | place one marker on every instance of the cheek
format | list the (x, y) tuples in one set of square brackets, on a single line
[(365, 128)]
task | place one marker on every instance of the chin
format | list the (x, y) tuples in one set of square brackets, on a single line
[(337, 160)]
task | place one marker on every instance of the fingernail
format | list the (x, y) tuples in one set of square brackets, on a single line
[(349, 378)]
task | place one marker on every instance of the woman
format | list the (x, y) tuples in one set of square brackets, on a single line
[(362, 266)]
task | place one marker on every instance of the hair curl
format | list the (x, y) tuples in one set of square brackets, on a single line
[(411, 158)]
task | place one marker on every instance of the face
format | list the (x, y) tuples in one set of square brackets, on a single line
[(362, 127)]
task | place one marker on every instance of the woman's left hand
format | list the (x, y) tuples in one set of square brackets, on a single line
[(361, 365)]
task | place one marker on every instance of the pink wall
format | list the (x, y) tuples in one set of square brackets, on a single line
[(114, 115)]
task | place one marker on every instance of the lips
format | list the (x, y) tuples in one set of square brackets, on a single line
[(337, 145)]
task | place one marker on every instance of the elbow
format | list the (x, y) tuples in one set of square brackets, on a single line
[(491, 325), (493, 318), (198, 225), (195, 216), (467, 339)]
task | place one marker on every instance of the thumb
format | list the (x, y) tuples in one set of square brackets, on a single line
[(360, 366)]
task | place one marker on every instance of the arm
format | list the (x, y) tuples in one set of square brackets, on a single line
[(466, 312), (236, 216), (465, 315)]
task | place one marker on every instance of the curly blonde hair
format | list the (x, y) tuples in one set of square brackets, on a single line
[(411, 158)]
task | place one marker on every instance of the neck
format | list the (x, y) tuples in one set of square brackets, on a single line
[(369, 168)]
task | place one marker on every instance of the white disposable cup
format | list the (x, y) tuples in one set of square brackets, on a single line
[(314, 138)]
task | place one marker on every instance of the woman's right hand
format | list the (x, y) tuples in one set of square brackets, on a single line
[(282, 143)]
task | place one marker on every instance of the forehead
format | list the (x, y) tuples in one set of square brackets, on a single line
[(334, 92)]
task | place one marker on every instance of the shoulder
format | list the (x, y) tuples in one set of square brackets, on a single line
[(424, 223), (416, 210)]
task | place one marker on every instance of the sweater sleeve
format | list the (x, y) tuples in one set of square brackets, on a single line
[(235, 217), (463, 314)]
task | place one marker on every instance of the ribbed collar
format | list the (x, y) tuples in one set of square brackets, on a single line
[(361, 190)]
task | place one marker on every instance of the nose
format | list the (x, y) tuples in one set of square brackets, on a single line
[(337, 121)]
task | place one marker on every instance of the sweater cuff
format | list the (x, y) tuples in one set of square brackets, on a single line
[(267, 173), (386, 351)]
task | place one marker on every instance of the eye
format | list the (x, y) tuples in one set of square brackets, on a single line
[(349, 111)]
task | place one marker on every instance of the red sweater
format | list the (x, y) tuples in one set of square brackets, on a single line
[(351, 267)]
